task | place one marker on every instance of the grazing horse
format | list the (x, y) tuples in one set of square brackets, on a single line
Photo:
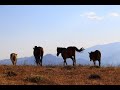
[(13, 57), (38, 54), (68, 52), (96, 55)]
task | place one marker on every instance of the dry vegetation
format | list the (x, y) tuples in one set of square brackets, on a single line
[(59, 75)]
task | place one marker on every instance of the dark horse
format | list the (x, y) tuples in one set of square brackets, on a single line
[(38, 54), (68, 52), (96, 55)]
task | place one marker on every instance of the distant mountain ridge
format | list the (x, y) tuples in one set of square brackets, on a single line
[(110, 53), (110, 56)]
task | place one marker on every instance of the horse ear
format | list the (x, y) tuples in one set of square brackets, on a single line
[(35, 47), (83, 48)]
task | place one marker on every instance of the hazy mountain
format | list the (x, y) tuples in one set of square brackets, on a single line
[(48, 59), (110, 56), (110, 53)]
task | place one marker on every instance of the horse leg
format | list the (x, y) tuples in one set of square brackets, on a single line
[(12, 62), (75, 60), (15, 62), (99, 63), (37, 61), (65, 62), (41, 60), (94, 63)]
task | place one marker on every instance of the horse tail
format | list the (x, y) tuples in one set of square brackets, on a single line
[(77, 49)]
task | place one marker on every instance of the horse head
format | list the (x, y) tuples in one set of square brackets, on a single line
[(60, 50), (90, 55)]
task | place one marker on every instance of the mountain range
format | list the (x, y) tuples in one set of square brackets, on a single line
[(110, 55)]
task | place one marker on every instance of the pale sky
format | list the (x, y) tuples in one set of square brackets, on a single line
[(51, 26)]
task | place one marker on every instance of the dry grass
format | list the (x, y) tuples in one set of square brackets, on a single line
[(59, 75)]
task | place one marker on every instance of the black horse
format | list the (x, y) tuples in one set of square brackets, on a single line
[(96, 55), (38, 54), (68, 52)]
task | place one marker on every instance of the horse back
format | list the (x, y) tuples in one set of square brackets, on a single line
[(38, 51), (71, 50)]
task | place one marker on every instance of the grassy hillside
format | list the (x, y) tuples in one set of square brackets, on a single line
[(59, 75)]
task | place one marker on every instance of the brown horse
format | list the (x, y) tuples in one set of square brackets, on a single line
[(96, 55), (38, 54), (13, 57), (68, 52)]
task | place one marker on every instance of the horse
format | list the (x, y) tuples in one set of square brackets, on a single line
[(38, 54), (96, 55), (68, 52), (13, 57), (59, 50)]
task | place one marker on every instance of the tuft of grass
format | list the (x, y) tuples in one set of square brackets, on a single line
[(68, 67), (50, 66), (58, 75), (34, 79), (39, 80), (94, 67), (10, 74), (94, 76)]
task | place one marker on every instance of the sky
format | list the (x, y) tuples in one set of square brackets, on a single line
[(50, 26)]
